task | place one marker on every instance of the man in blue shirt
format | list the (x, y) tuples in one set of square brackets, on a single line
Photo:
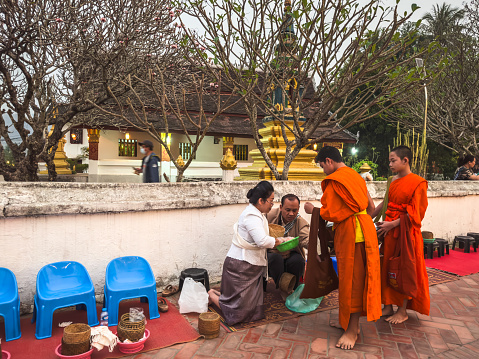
[(149, 163)]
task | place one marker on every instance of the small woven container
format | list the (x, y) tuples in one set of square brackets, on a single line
[(286, 282), (76, 339), (75, 348), (131, 331), (76, 333), (209, 325), (275, 230)]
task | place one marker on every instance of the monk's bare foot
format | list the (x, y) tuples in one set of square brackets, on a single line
[(397, 318), (335, 324), (387, 310), (347, 341)]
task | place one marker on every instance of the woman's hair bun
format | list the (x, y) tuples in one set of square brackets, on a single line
[(261, 190)]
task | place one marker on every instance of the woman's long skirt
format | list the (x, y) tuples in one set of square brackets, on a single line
[(241, 297)]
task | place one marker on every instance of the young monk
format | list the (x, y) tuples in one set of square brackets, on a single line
[(407, 195), (347, 203)]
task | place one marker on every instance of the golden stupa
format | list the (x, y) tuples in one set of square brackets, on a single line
[(303, 167)]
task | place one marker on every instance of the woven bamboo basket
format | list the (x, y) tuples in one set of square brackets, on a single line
[(131, 331), (275, 230), (76, 333), (209, 325), (286, 282), (75, 348)]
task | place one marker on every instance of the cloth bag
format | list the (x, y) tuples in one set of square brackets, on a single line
[(320, 277), (193, 297), (296, 304), (402, 276)]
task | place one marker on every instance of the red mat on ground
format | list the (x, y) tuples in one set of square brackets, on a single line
[(456, 262), (171, 328)]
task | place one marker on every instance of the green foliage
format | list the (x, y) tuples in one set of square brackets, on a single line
[(441, 161), (418, 147), (374, 167), (380, 178), (8, 156), (375, 136), (75, 163)]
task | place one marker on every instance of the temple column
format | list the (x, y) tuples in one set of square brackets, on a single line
[(93, 142), (228, 143), (165, 164)]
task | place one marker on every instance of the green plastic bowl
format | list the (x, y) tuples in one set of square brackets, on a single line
[(428, 240), (288, 245)]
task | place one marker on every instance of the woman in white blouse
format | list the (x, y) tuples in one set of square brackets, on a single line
[(241, 298)]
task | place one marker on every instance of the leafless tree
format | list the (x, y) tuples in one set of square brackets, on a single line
[(61, 59), (453, 97), (333, 61), (167, 98)]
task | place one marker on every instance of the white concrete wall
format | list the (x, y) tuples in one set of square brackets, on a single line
[(173, 226)]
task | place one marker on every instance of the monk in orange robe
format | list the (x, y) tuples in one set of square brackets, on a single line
[(407, 195), (346, 202)]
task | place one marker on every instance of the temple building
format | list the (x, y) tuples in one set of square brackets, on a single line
[(114, 149)]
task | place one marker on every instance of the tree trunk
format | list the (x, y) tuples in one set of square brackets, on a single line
[(179, 177)]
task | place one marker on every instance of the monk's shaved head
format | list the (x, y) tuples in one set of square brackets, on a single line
[(403, 152), (331, 153)]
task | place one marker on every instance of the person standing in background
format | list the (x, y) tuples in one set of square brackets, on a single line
[(149, 163)]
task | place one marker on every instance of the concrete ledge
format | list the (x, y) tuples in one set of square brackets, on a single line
[(173, 226), (35, 199)]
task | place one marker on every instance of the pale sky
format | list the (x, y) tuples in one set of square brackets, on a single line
[(425, 5)]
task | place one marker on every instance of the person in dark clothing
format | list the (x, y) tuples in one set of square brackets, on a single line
[(149, 163), (465, 171)]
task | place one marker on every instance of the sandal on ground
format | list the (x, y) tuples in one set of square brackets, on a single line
[(162, 305), (169, 290)]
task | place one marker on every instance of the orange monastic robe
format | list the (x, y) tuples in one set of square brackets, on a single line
[(344, 195), (407, 195)]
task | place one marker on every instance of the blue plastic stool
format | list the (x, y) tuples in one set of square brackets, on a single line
[(59, 285), (10, 304), (127, 278), (335, 264)]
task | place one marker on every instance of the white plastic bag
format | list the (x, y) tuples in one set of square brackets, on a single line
[(193, 297)]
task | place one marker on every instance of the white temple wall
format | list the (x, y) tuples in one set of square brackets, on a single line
[(173, 226)]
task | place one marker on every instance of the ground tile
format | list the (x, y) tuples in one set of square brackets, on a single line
[(272, 330), (255, 348), (233, 354), (407, 351), (319, 346), (188, 351), (275, 343), (299, 351)]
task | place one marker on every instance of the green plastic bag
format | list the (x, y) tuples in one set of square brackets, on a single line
[(296, 304)]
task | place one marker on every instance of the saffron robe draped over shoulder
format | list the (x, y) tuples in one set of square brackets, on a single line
[(407, 195), (345, 195)]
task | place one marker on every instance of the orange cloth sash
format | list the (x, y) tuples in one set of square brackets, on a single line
[(407, 195), (344, 195)]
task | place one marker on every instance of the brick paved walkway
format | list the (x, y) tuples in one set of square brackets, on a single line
[(451, 331)]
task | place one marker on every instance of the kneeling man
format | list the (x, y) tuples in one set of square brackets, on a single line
[(287, 215)]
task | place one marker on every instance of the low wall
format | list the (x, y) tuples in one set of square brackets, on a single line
[(174, 226)]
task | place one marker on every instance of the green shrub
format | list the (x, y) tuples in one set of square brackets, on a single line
[(380, 178)]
